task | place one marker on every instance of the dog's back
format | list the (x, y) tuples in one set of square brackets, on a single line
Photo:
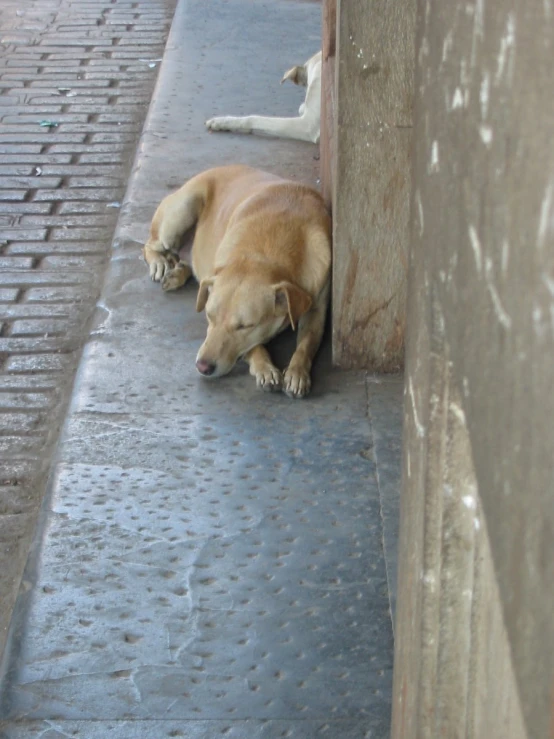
[(250, 212)]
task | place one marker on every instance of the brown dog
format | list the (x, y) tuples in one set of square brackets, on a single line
[(262, 255)]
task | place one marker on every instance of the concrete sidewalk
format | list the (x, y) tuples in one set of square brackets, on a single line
[(210, 559), (82, 70)]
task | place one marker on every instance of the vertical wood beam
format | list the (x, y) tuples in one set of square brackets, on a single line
[(371, 187), (328, 100)]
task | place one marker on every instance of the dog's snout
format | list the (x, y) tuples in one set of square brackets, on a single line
[(205, 368)]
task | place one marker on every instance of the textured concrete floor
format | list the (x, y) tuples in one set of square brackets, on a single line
[(211, 559)]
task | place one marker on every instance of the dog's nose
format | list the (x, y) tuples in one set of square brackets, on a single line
[(205, 368)]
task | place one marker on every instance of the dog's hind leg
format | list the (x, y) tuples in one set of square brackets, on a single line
[(176, 277), (175, 215), (159, 263), (180, 211)]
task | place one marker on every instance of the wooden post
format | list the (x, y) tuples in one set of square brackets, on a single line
[(371, 183), (328, 100)]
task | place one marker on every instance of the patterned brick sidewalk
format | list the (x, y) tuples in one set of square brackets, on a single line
[(75, 82)]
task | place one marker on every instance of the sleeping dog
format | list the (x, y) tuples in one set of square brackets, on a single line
[(261, 255)]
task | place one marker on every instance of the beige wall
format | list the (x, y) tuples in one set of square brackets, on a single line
[(475, 630)]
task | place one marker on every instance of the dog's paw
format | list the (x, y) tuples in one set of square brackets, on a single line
[(171, 281), (296, 382), (161, 263), (216, 124), (159, 266), (269, 379), (176, 277)]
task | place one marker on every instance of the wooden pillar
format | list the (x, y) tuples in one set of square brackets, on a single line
[(371, 181), (328, 100)]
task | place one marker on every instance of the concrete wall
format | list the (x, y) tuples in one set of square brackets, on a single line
[(475, 625)]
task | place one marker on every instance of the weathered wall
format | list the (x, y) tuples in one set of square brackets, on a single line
[(371, 184), (454, 675), (476, 575)]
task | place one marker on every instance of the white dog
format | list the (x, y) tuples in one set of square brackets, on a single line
[(304, 128)]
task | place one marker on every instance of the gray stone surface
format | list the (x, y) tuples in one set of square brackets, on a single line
[(211, 557), (385, 408), (211, 562), (346, 729)]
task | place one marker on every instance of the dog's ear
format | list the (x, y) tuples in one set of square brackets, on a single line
[(297, 75), (291, 299), (203, 293)]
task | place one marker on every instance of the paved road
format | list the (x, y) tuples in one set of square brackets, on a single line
[(76, 79)]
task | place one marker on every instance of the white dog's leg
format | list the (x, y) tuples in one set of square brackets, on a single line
[(304, 128), (286, 128)]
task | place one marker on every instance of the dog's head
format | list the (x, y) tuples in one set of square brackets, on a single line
[(242, 312)]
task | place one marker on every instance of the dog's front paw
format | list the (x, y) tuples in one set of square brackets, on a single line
[(296, 382), (269, 379), (217, 124)]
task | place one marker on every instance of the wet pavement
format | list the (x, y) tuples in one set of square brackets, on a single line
[(211, 560)]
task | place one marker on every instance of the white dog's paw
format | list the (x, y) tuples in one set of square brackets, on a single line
[(269, 378), (217, 124), (297, 382), (230, 123)]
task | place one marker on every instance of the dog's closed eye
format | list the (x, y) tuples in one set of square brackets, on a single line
[(243, 326)]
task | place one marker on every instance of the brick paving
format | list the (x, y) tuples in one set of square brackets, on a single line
[(76, 79)]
